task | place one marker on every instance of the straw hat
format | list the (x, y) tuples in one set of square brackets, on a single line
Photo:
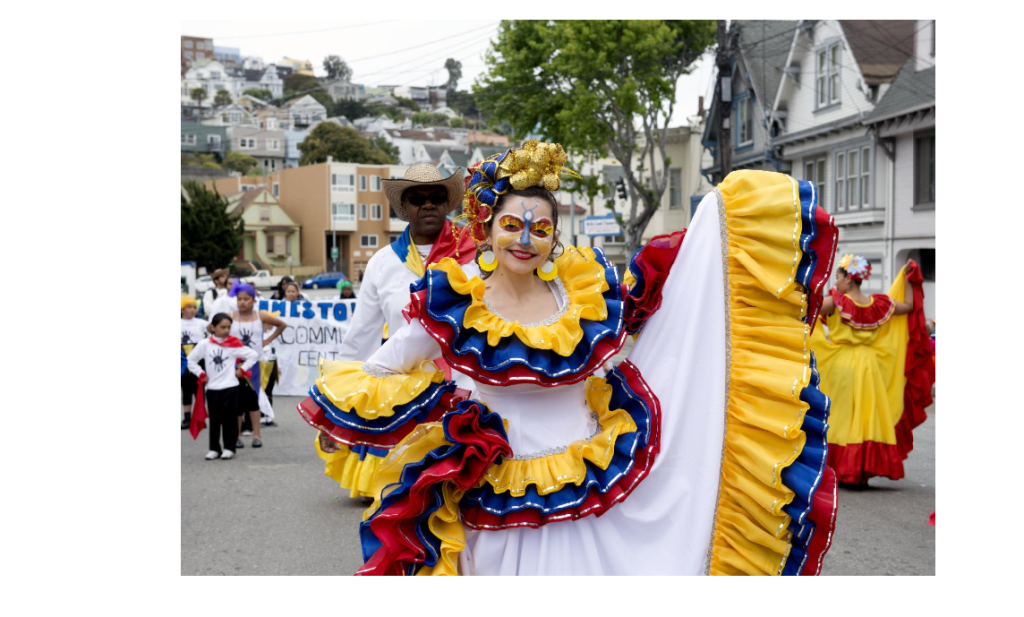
[(424, 174)]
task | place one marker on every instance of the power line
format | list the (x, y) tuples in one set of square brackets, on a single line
[(421, 45), (461, 45)]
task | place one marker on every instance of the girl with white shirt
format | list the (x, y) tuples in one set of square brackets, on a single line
[(220, 352), (193, 330), (247, 325)]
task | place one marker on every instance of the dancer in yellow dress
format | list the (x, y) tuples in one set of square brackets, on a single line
[(876, 366)]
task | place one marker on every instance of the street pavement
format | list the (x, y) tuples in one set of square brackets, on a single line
[(272, 511)]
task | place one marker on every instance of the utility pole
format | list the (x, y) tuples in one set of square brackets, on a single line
[(723, 60)]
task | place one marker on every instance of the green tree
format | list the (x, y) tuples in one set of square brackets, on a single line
[(421, 117), (387, 148), (296, 86), (456, 123), (223, 97), (407, 103), (261, 94), (597, 86), (438, 119), (337, 68), (198, 95), (454, 68), (344, 144), (209, 235), (349, 109), (237, 161)]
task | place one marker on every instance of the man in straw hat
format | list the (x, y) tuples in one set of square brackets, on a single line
[(424, 199), (219, 290)]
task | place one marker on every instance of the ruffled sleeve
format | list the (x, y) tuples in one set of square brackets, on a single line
[(359, 404), (870, 316), (776, 504), (648, 270)]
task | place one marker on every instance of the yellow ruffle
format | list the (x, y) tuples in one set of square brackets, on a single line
[(345, 468), (351, 388), (552, 472), (769, 366), (584, 281)]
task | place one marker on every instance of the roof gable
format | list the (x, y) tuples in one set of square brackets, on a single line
[(880, 46), (764, 46), (911, 91)]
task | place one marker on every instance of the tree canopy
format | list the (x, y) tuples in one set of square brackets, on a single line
[(209, 235), (597, 87), (454, 68), (237, 161), (223, 97), (344, 144), (337, 68)]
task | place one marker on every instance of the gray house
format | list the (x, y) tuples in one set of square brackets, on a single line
[(267, 147), (763, 46)]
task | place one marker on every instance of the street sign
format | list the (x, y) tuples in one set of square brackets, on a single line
[(601, 226), (334, 252)]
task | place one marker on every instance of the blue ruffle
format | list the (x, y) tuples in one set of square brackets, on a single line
[(444, 304), (411, 473), (363, 451), (601, 480), (804, 476), (809, 231), (415, 410)]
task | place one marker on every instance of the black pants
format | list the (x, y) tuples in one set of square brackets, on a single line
[(272, 365), (222, 407)]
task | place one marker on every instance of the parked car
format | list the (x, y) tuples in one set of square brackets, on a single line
[(324, 280), (263, 280), (203, 284)]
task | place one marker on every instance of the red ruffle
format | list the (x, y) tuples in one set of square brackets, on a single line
[(315, 417), (864, 317), (444, 334), (395, 526), (856, 462), (824, 246), (824, 506), (651, 264), (596, 503), (919, 368)]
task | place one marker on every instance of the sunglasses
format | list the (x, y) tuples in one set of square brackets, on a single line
[(440, 198)]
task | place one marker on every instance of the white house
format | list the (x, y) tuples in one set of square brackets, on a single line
[(264, 79), (341, 90), (407, 140), (211, 76), (903, 123), (304, 111), (835, 74)]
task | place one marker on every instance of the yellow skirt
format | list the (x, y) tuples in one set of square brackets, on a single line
[(350, 469)]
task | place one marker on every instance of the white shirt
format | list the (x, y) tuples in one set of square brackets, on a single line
[(220, 363), (192, 331), (210, 300), (382, 297)]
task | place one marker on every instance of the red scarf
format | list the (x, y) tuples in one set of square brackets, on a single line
[(444, 246), (198, 421), (229, 341)]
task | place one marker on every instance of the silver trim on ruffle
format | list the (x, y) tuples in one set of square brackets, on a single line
[(559, 449), (376, 371), (563, 307)]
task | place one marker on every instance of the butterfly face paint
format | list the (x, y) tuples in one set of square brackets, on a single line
[(528, 230)]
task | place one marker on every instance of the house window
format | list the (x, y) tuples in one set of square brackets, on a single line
[(853, 179), (828, 74), (924, 170), (840, 182), (745, 121), (200, 55), (376, 212), (375, 183), (362, 212), (275, 189), (393, 238), (270, 244), (188, 55), (865, 177), (279, 244), (235, 117), (273, 144), (215, 75), (199, 45), (264, 214), (213, 140), (288, 245), (188, 139), (271, 124), (675, 189), (188, 44), (343, 213), (246, 143), (368, 241), (343, 182), (814, 171), (362, 183)]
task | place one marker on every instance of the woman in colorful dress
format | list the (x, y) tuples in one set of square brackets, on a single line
[(702, 452), (876, 365)]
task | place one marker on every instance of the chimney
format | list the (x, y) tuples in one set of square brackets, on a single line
[(700, 106)]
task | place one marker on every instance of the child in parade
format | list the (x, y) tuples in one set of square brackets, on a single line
[(247, 325), (193, 330), (220, 353)]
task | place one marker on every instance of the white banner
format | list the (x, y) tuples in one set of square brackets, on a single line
[(315, 330)]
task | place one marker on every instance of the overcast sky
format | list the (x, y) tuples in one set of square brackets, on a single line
[(399, 52)]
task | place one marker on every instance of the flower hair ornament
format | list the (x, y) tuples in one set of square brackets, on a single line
[(857, 267), (536, 163)]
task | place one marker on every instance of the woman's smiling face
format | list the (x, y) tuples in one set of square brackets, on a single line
[(523, 234)]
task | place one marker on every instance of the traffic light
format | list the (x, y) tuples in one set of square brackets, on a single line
[(620, 186)]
